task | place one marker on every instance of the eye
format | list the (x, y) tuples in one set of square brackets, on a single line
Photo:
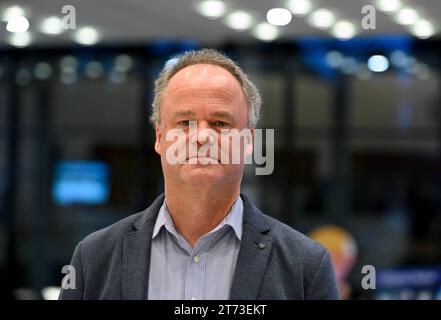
[(220, 124), (185, 123)]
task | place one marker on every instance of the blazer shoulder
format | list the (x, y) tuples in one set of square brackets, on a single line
[(297, 250), (289, 239), (110, 235), (301, 263), (285, 238)]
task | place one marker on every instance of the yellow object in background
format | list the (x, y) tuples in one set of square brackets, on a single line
[(343, 249)]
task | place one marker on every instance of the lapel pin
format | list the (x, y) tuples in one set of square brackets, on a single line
[(261, 245)]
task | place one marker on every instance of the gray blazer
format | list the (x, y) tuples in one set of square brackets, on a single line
[(274, 261)]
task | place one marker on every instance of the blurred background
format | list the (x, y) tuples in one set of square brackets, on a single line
[(351, 87)]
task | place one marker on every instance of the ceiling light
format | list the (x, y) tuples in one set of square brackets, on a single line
[(378, 63), (68, 64), (17, 24), (334, 59), (278, 16), (350, 66), (423, 29), (43, 71), (117, 77), (299, 7), (68, 77), (399, 58), (389, 6), (20, 39), (322, 19), (94, 69), (50, 293), (52, 26), (211, 9), (12, 12), (239, 20), (344, 30), (406, 16), (266, 32), (123, 63), (87, 36)]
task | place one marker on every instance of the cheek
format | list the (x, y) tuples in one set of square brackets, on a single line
[(224, 143), (170, 135), (174, 147), (232, 149)]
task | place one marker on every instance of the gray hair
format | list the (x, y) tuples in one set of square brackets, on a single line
[(213, 57)]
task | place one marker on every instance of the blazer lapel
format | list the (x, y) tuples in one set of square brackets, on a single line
[(253, 256), (136, 254), (251, 263)]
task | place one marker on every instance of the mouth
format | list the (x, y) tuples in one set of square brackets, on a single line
[(202, 160)]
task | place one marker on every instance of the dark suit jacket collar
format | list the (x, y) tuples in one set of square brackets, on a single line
[(252, 215), (250, 266), (253, 256), (150, 213)]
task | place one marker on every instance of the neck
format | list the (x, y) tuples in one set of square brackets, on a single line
[(196, 212)]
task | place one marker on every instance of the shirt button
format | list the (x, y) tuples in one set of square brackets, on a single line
[(196, 258)]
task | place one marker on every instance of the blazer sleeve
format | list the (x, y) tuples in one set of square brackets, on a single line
[(323, 285), (74, 289)]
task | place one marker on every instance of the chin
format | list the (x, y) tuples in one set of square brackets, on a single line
[(202, 174)]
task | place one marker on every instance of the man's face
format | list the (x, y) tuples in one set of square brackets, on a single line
[(211, 99)]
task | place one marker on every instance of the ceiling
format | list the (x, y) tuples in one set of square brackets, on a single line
[(140, 21)]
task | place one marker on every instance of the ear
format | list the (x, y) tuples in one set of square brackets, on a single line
[(250, 143), (158, 138)]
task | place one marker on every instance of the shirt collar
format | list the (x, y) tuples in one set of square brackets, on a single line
[(234, 219)]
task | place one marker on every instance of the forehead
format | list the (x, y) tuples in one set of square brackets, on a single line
[(204, 78)]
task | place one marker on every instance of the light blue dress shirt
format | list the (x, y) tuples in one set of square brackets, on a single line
[(205, 272)]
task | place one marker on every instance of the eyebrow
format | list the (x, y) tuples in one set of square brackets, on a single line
[(183, 113), (223, 114), (218, 114)]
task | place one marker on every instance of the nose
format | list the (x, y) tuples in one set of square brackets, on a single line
[(203, 134)]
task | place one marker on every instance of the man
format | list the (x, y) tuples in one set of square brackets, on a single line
[(202, 239)]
